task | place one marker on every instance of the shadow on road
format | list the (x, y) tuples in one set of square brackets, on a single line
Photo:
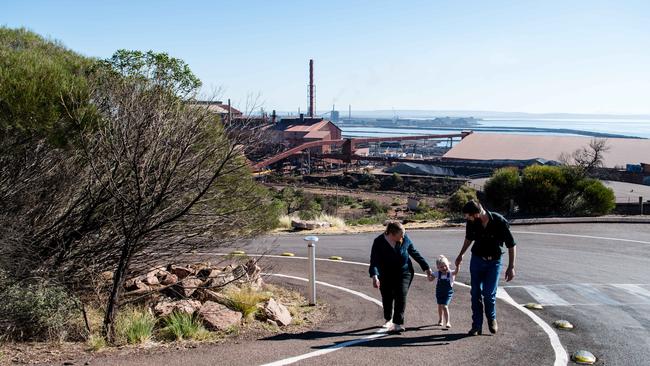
[(390, 340), (315, 334)]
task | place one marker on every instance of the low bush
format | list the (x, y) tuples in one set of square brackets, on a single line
[(375, 207), (502, 187), (40, 311), (457, 200)]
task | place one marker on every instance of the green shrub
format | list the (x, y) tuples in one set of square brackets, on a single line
[(181, 325), (503, 186), (457, 200), (375, 207), (394, 181), (426, 213), (595, 198), (543, 189), (135, 325), (39, 311)]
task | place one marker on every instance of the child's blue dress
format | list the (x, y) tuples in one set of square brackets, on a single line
[(444, 288)]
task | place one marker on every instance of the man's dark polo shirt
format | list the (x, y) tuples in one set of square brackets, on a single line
[(488, 241)]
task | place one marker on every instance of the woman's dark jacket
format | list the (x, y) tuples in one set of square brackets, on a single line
[(386, 261)]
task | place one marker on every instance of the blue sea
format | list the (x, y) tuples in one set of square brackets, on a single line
[(540, 126)]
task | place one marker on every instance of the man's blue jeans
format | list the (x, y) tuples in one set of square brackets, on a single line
[(485, 280)]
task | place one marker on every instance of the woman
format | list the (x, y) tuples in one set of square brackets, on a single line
[(392, 271)]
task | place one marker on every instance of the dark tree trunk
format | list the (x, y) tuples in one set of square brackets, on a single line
[(118, 282)]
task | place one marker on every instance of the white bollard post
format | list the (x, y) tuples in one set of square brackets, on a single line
[(311, 249)]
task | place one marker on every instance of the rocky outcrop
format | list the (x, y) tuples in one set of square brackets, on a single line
[(218, 317), (277, 312), (308, 224), (167, 306)]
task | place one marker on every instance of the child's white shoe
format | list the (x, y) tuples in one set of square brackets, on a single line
[(387, 325)]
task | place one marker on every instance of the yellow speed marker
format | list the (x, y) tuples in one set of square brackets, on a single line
[(238, 252), (583, 358), (287, 254), (336, 258), (563, 324), (534, 306)]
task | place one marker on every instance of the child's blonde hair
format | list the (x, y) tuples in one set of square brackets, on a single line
[(442, 260)]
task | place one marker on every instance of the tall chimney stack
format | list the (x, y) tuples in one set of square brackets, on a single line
[(311, 89)]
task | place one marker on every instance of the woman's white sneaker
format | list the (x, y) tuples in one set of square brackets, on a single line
[(398, 328), (387, 325)]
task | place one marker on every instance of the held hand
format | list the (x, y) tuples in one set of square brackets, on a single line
[(459, 259), (456, 270), (429, 275), (510, 274), (375, 282)]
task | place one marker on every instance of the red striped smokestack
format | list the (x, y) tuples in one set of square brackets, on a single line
[(311, 88)]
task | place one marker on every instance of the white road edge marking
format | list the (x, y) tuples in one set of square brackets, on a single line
[(561, 357), (336, 347), (569, 235)]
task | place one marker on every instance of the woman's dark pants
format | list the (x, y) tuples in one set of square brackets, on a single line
[(394, 289)]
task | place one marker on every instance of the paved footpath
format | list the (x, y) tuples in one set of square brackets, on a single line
[(340, 339)]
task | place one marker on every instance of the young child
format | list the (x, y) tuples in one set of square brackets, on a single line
[(444, 289)]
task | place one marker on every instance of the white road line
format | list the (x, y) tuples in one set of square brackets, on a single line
[(336, 347), (561, 357), (568, 235), (593, 294), (545, 296), (634, 290)]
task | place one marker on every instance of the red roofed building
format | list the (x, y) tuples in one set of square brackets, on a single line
[(297, 131)]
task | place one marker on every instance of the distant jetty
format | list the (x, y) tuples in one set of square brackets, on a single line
[(456, 122)]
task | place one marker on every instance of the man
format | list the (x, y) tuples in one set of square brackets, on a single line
[(489, 231)]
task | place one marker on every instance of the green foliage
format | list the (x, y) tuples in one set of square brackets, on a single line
[(542, 189), (374, 207), (179, 326), (426, 213), (463, 195), (135, 325), (393, 182), (41, 81), (38, 311), (594, 198), (546, 190), (160, 69), (503, 186)]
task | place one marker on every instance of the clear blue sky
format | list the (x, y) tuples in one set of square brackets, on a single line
[(529, 56)]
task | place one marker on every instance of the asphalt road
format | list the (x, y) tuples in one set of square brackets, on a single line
[(595, 276)]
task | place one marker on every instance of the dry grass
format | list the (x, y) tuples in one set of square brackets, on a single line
[(284, 222), (135, 325), (334, 221), (246, 300)]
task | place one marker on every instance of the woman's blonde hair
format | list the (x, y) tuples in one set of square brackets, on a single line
[(442, 260), (394, 227)]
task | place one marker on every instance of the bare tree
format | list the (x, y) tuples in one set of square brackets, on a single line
[(587, 158), (178, 179), (154, 179)]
